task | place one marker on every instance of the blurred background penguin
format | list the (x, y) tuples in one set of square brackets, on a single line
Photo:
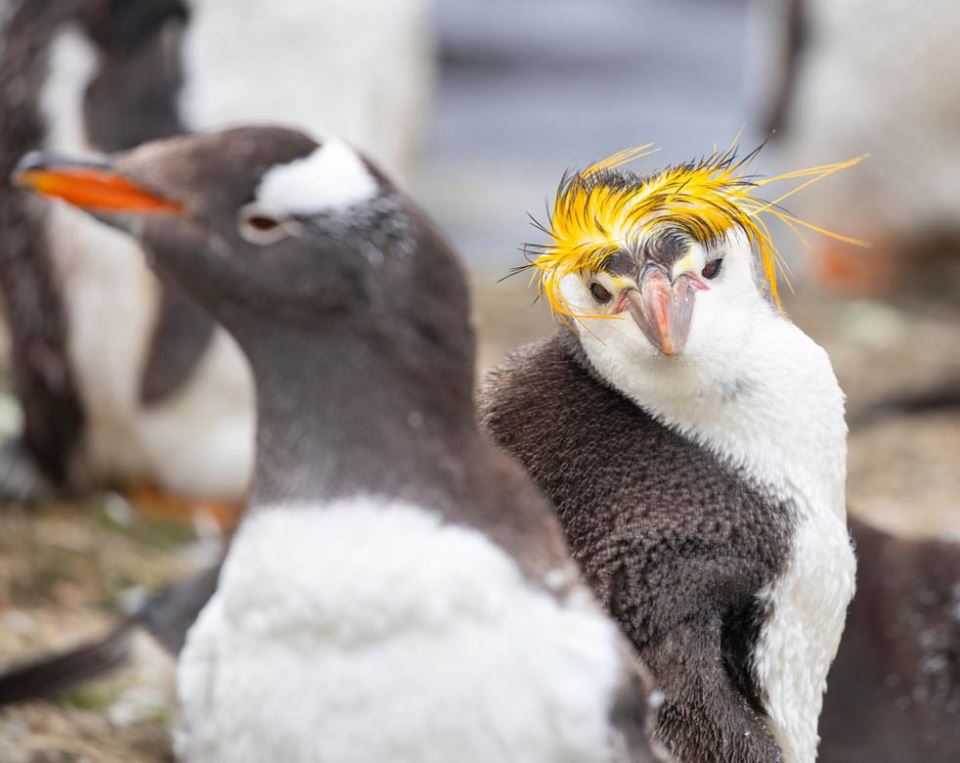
[(877, 77)]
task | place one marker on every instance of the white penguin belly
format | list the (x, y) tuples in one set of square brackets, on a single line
[(799, 641), (361, 632)]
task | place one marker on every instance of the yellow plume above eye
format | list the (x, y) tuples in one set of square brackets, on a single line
[(603, 210)]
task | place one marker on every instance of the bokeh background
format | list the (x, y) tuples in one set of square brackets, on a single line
[(520, 91), (527, 88)]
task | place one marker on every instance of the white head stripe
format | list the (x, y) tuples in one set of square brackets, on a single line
[(332, 177)]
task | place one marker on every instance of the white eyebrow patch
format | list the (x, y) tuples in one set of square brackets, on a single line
[(332, 177)]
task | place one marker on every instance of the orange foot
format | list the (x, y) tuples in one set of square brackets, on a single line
[(857, 272), (151, 501)]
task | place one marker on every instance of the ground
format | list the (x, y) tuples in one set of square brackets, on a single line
[(68, 571)]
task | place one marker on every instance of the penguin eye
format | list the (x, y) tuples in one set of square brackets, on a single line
[(712, 269), (599, 293), (260, 227), (261, 223)]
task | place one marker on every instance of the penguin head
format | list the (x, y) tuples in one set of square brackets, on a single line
[(266, 226), (669, 297), (671, 267)]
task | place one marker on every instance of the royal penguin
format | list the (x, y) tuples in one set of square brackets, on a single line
[(693, 442), (115, 370), (397, 590)]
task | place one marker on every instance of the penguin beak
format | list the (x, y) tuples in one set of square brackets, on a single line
[(91, 185), (663, 307)]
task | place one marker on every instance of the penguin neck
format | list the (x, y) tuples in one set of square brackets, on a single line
[(774, 410), (351, 412)]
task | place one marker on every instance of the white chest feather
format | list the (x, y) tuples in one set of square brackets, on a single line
[(360, 631), (770, 406)]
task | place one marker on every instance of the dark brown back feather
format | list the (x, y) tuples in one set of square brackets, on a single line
[(675, 543)]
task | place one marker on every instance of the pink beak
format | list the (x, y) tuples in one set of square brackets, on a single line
[(663, 309)]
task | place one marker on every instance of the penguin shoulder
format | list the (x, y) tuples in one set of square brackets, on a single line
[(526, 399), (522, 376)]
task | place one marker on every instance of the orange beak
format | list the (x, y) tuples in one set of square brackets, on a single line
[(92, 186)]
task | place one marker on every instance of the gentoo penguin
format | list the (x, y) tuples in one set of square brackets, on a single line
[(894, 689), (875, 76), (114, 369), (398, 590), (693, 442)]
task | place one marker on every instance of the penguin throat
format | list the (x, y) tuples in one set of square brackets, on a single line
[(341, 414), (774, 411)]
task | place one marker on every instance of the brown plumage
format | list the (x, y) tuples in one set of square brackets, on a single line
[(672, 541)]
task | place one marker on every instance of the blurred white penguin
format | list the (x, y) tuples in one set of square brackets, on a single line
[(355, 68), (123, 381), (877, 77)]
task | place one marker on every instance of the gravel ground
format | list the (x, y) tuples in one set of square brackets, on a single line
[(67, 571)]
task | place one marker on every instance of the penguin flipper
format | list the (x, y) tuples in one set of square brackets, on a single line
[(50, 676), (181, 336), (702, 710), (167, 615)]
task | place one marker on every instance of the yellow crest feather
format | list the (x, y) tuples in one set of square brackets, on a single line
[(600, 211)]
